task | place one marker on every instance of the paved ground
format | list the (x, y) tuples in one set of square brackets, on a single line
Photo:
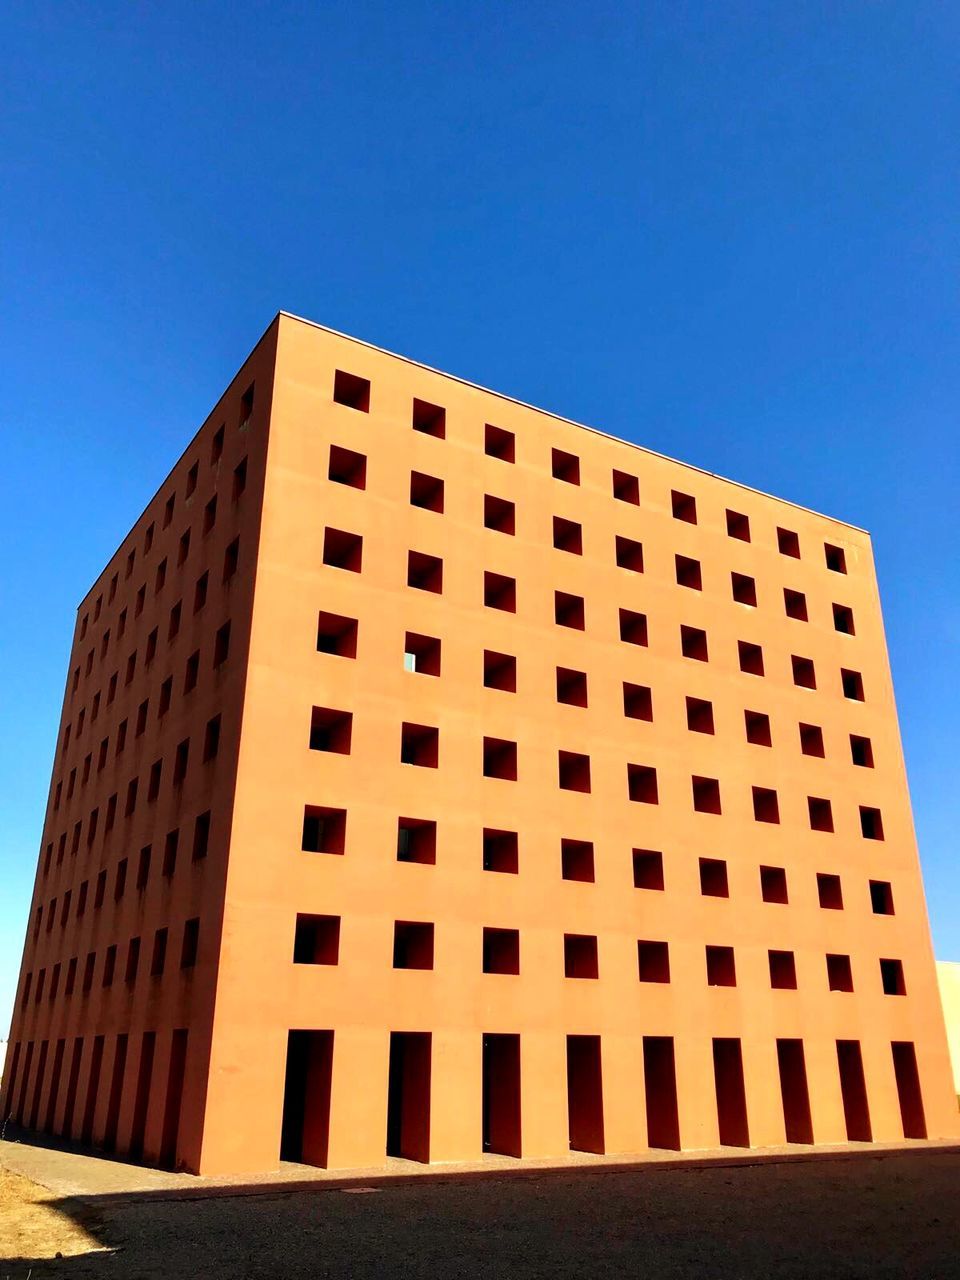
[(864, 1214)]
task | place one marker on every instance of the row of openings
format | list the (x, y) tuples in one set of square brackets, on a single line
[(76, 1121), (331, 731), (189, 952), (344, 550), (353, 391), (325, 831), (317, 942), (239, 485), (171, 844), (310, 1065)]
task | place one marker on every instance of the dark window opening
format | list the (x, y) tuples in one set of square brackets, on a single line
[(633, 627), (347, 467), (653, 961), (417, 841), (829, 891), (580, 956), (324, 829), (420, 745), (565, 466), (721, 967), (331, 730), (499, 671), (421, 654), (693, 643), (342, 550), (569, 611), (576, 860), (574, 771), (699, 715), (501, 951), (499, 514), (567, 535), (689, 573), (501, 851), (629, 554), (426, 492), (713, 878), (430, 419), (500, 592), (571, 687), (758, 728), (706, 795), (773, 884), (412, 945), (316, 940), (499, 443), (351, 390), (337, 635)]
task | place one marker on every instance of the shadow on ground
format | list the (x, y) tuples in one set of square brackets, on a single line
[(861, 1215)]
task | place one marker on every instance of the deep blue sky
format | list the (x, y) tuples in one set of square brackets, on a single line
[(728, 232)]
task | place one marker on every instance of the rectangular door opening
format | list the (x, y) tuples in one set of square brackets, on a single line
[(171, 1107), (731, 1095), (93, 1091), (501, 1094), (408, 1095), (908, 1089), (660, 1088), (585, 1093), (853, 1087), (305, 1131), (794, 1091), (141, 1101), (116, 1094)]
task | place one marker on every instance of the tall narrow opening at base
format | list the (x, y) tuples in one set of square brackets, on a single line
[(794, 1091), (731, 1095), (55, 1078), (408, 1095), (73, 1084), (908, 1089), (93, 1091), (305, 1131), (38, 1087), (116, 1093), (501, 1094), (142, 1100), (18, 1112), (171, 1109), (853, 1088), (660, 1089), (585, 1093)]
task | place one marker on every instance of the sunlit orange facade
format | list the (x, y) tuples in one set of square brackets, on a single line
[(437, 776)]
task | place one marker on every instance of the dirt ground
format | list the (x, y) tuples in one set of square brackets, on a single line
[(872, 1216)]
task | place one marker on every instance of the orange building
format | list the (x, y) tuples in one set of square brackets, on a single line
[(438, 776)]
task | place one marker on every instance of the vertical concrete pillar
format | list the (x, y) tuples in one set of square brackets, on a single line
[(543, 1093)]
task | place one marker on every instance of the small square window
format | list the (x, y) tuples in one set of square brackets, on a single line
[(499, 443), (576, 860), (191, 943), (699, 715), (788, 543), (499, 671), (430, 419), (871, 823), (216, 445), (835, 557), (316, 940), (766, 807), (744, 589), (811, 740), (501, 951), (337, 635), (629, 554), (221, 645), (158, 960), (417, 840), (852, 685), (821, 813), (881, 897), (499, 514), (653, 961), (693, 643), (626, 488), (738, 526), (843, 619), (420, 745), (637, 701), (229, 568), (580, 956), (426, 491), (647, 869), (500, 759), (773, 884), (569, 610), (211, 740), (192, 476), (347, 467), (861, 751), (201, 836), (133, 961), (757, 725), (783, 970), (795, 604), (891, 976), (688, 573), (209, 520), (200, 593), (324, 830), (839, 973), (239, 479), (706, 795), (183, 548), (500, 592), (170, 844), (181, 758), (565, 466), (351, 390), (412, 945), (684, 507), (571, 687), (246, 407), (153, 780), (331, 730), (424, 572), (829, 891), (721, 967), (568, 536), (751, 658), (713, 878), (342, 550), (168, 511), (191, 672), (633, 627), (573, 771), (421, 654), (642, 784), (501, 851), (804, 672)]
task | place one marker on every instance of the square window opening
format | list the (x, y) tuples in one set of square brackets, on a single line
[(567, 536), (648, 869), (316, 940), (642, 784), (721, 967), (351, 390), (501, 851), (336, 634), (500, 592), (347, 467), (420, 745), (331, 730), (580, 959), (773, 884), (425, 572), (499, 443), (499, 514), (626, 488), (417, 841), (499, 671), (569, 610), (683, 506), (426, 492), (577, 861), (342, 550), (688, 573), (565, 466), (429, 419), (653, 961), (699, 715), (324, 829), (571, 687)]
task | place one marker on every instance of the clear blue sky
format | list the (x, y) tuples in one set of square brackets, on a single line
[(728, 232)]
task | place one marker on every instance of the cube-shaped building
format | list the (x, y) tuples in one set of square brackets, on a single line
[(438, 776)]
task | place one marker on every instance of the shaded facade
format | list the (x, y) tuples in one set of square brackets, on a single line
[(438, 776)]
